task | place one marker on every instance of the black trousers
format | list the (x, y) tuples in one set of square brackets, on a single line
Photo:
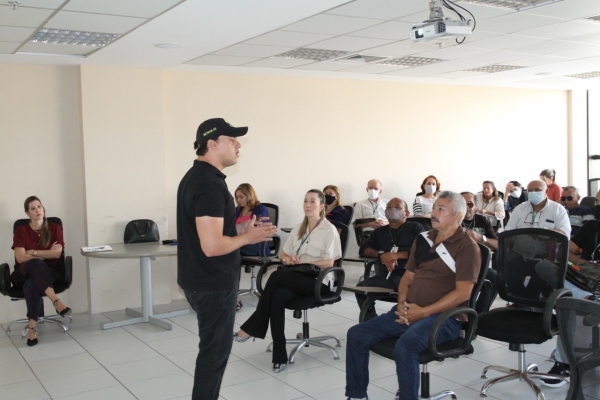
[(281, 288), (38, 278), (377, 281)]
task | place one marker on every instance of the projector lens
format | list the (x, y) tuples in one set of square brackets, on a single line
[(419, 33)]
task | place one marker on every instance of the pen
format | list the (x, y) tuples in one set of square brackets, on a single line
[(388, 275)]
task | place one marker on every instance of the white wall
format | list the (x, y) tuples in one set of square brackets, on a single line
[(105, 145)]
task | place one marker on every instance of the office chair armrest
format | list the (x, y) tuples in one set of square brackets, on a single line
[(5, 283), (486, 290), (331, 296), (549, 310), (391, 297), (437, 325), (68, 270)]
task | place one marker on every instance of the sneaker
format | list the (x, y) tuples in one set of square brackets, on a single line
[(561, 369)]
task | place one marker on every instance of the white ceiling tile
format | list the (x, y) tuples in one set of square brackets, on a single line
[(15, 34), (331, 24), (57, 49), (324, 66), (349, 43), (534, 61), (380, 9), (374, 68), (481, 13), (450, 53), (28, 17), (456, 75), (221, 60), (291, 39), (557, 79), (516, 22), (278, 63), (593, 38), (550, 47), (395, 30), (504, 42), (496, 57), (568, 9), (592, 51), (252, 50), (478, 35), (8, 47), (401, 48), (563, 30), (434, 69), (131, 8), (50, 4), (78, 21)]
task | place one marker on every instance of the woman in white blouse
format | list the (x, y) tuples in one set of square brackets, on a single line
[(423, 204), (315, 241), (488, 201)]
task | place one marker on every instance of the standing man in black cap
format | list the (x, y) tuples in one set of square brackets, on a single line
[(208, 257)]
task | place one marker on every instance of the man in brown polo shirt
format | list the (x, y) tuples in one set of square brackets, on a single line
[(442, 268)]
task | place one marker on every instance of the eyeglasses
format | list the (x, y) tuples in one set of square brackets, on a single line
[(470, 204), (567, 198), (532, 221)]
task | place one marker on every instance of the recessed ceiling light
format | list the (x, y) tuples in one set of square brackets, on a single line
[(586, 75), (77, 38), (518, 5), (168, 45), (410, 61), (304, 53), (490, 69), (543, 73)]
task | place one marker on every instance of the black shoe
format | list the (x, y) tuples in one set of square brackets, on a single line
[(32, 342), (561, 369), (66, 311)]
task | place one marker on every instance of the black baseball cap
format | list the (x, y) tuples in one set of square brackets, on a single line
[(215, 127), (516, 183)]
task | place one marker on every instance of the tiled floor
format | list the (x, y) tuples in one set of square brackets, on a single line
[(146, 362)]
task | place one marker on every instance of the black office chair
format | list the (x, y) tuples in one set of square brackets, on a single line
[(249, 263), (349, 214), (16, 293), (303, 304), (439, 352), (519, 251), (578, 323), (424, 221), (589, 201)]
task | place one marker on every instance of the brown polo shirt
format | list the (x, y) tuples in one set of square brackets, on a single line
[(438, 267)]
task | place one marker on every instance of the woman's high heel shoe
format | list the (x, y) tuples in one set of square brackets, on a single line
[(238, 338), (32, 342), (66, 311), (279, 367)]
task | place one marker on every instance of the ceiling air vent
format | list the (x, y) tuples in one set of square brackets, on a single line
[(518, 5), (490, 69), (360, 59), (303, 53), (410, 61), (586, 75)]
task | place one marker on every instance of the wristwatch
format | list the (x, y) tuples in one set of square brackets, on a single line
[(484, 238), (35, 253)]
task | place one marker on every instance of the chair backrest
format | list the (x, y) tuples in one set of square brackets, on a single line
[(424, 221), (343, 231), (25, 221), (578, 324), (273, 211), (519, 251), (486, 255), (349, 214), (589, 201)]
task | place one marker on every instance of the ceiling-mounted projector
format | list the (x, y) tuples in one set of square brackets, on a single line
[(437, 27)]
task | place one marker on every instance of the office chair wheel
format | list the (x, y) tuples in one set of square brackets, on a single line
[(298, 335), (532, 368)]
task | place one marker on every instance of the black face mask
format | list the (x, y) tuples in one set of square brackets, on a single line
[(329, 199), (597, 211)]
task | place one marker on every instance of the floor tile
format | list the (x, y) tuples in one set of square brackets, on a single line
[(315, 380), (150, 332), (78, 382), (112, 393), (162, 387), (264, 389), (176, 345), (241, 372), (45, 349), (143, 369), (30, 390), (64, 365), (185, 361)]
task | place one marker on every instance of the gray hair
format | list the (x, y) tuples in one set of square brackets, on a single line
[(573, 188), (457, 202)]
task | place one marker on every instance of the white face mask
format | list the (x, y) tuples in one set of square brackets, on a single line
[(430, 189), (516, 193), (373, 194), (536, 197)]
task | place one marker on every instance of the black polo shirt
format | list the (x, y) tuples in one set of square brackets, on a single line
[(203, 192), (588, 239), (483, 223)]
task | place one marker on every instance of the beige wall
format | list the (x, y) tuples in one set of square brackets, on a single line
[(104, 145)]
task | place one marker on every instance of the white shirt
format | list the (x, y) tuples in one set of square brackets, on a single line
[(323, 243), (495, 205), (551, 216), (423, 205), (368, 209)]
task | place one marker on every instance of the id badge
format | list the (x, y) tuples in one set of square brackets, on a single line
[(394, 249)]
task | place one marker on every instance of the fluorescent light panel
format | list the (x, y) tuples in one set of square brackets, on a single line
[(586, 75), (518, 5), (77, 38), (410, 61), (311, 54), (490, 69)]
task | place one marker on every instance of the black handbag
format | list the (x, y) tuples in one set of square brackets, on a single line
[(585, 276), (307, 269), (141, 231)]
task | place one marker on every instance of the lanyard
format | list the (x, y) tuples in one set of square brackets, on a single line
[(395, 237), (307, 235), (374, 207), (471, 224)]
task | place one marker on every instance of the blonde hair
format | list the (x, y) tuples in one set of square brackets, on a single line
[(496, 195), (338, 199), (304, 225), (549, 173), (248, 191), (45, 234)]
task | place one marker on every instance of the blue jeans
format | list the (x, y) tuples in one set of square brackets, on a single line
[(216, 314), (412, 340)]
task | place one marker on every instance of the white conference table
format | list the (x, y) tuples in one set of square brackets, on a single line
[(146, 252)]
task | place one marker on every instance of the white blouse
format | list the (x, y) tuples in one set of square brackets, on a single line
[(495, 205), (423, 205), (323, 243)]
